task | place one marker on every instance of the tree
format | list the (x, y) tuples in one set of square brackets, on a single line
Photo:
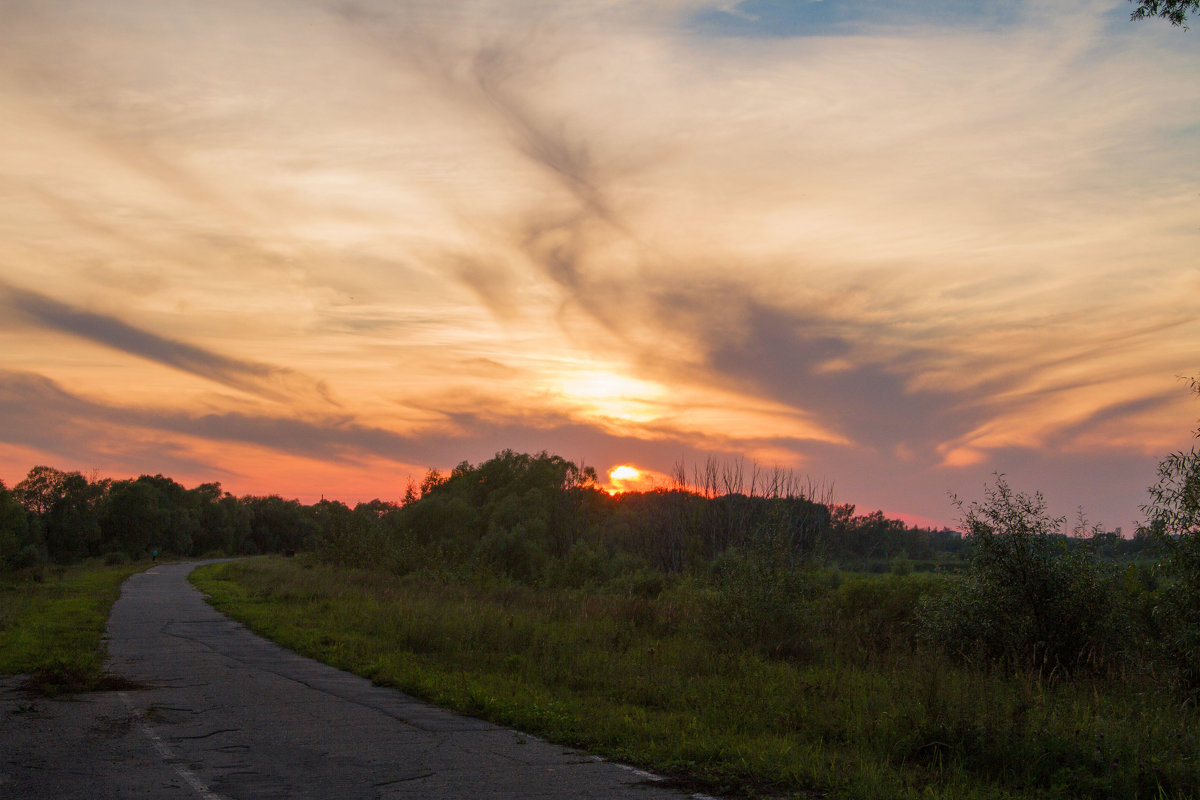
[(65, 504), (1174, 507), (134, 517), (41, 489), (14, 532), (1029, 599), (1173, 514), (277, 524), (1174, 11)]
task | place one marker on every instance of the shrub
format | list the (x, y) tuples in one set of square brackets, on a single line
[(1174, 515), (586, 564), (1031, 597), (758, 602), (878, 611), (512, 552), (29, 557)]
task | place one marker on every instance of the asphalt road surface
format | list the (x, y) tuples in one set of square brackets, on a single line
[(227, 714)]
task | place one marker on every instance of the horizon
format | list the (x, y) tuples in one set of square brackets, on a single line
[(317, 248)]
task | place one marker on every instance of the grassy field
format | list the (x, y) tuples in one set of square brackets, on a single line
[(859, 711), (52, 629)]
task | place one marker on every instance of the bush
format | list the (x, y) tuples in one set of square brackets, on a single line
[(585, 565), (513, 553), (29, 557), (1031, 598), (757, 602), (878, 611), (640, 581), (1174, 515)]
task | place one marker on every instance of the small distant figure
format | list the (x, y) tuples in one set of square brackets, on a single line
[(154, 555)]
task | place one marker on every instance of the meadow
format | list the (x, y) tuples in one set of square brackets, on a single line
[(845, 700)]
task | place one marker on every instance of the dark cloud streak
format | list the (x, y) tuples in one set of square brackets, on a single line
[(787, 356), (264, 380), (38, 412)]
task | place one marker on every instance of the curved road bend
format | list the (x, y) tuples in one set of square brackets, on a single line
[(231, 715)]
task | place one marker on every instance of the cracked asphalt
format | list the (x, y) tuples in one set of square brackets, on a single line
[(227, 714)]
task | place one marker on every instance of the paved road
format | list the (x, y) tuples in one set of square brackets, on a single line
[(231, 715)]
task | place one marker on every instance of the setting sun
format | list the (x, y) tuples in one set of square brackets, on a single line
[(624, 473), (627, 478)]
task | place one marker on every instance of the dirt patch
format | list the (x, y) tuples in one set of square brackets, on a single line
[(59, 679)]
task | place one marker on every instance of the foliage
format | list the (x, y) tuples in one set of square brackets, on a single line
[(63, 517), (1029, 599), (346, 537), (530, 511), (18, 548), (1174, 11), (64, 504), (1174, 519), (758, 603), (873, 543)]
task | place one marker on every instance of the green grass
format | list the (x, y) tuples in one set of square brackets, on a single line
[(53, 629), (641, 679)]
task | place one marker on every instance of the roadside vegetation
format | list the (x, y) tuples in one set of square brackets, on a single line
[(52, 625), (844, 699)]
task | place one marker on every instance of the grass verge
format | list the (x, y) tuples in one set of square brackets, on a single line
[(53, 629), (636, 678)]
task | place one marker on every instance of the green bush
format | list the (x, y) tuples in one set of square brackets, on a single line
[(1031, 598), (1174, 515), (878, 612), (759, 603), (511, 552)]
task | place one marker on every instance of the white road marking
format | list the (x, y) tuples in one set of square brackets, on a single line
[(189, 777)]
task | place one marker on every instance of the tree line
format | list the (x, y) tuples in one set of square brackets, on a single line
[(61, 517), (517, 513)]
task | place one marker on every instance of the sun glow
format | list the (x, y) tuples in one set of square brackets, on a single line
[(627, 478), (624, 473), (608, 394)]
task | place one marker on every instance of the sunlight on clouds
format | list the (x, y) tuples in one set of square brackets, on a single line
[(611, 395), (961, 456)]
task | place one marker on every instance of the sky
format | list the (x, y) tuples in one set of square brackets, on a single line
[(317, 248)]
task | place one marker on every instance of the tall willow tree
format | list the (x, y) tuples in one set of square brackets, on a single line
[(1174, 11)]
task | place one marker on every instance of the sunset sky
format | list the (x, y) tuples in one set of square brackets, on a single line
[(315, 248)]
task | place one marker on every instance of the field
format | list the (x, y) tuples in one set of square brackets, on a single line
[(849, 704)]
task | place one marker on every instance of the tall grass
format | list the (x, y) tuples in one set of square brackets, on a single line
[(862, 711)]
